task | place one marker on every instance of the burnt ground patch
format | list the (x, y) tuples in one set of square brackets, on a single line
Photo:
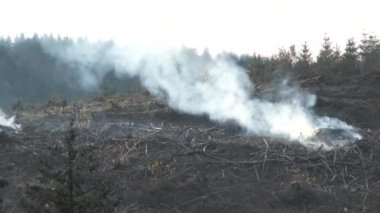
[(131, 154)]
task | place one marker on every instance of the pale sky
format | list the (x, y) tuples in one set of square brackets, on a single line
[(241, 26)]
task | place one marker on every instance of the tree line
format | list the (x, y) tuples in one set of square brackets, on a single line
[(357, 58), (30, 74)]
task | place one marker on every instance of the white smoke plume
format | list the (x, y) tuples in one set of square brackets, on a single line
[(216, 87), (8, 121)]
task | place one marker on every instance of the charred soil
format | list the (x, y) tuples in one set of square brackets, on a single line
[(132, 154)]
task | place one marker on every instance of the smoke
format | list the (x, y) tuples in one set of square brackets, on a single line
[(8, 121), (199, 84)]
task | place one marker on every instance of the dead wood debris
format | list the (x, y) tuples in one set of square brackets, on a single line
[(168, 163)]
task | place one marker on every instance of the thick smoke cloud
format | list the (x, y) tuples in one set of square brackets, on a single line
[(8, 121), (201, 85)]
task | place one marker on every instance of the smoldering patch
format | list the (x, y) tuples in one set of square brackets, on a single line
[(216, 87), (8, 122), (329, 138)]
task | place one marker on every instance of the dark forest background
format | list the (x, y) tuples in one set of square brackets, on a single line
[(30, 75)]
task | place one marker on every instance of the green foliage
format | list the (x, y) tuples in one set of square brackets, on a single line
[(305, 55), (330, 62), (370, 53), (329, 58), (303, 65), (350, 59), (326, 55), (288, 58)]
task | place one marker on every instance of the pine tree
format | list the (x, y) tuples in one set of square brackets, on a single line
[(337, 57), (370, 53), (287, 58), (305, 55), (304, 61), (350, 58), (326, 55)]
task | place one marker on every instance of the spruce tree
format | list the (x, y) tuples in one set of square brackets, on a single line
[(370, 53), (350, 58), (326, 55), (304, 61)]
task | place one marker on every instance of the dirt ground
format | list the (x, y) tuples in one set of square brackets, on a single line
[(133, 154)]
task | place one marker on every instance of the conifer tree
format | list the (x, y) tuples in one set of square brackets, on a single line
[(350, 58), (326, 55), (304, 61), (370, 53)]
